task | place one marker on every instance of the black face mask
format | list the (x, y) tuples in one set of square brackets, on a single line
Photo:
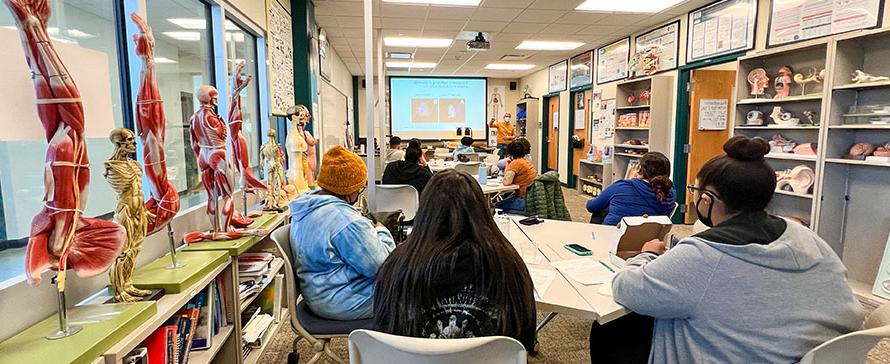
[(701, 217)]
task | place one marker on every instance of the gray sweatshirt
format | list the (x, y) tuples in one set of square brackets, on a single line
[(741, 303)]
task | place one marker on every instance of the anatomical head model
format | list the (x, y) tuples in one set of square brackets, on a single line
[(272, 160), (61, 238), (758, 80), (240, 153), (782, 82), (208, 137), (125, 177)]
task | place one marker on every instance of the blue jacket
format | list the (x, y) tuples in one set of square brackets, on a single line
[(337, 252), (463, 149), (630, 197)]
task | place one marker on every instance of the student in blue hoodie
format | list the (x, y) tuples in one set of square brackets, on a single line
[(651, 193), (465, 147), (336, 250)]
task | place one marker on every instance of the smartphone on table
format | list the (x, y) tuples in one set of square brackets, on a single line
[(578, 249)]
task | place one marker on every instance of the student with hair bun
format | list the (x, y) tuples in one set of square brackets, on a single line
[(651, 193), (754, 288)]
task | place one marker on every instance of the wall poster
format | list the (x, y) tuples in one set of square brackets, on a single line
[(667, 40), (582, 70), (281, 53), (712, 114), (721, 28), (612, 61), (796, 20), (557, 76), (323, 49)]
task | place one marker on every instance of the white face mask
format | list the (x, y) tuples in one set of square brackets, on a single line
[(507, 120)]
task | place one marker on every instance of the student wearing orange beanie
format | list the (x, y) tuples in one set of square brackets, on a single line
[(336, 250)]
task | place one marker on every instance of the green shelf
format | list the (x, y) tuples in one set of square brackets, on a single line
[(197, 264), (238, 246), (103, 326)]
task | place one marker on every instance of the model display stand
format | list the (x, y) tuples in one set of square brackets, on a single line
[(645, 119), (594, 177), (530, 127), (786, 120)]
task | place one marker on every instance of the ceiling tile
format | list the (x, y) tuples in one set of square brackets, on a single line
[(416, 23), (484, 26), (512, 4), (621, 19), (580, 17), (557, 4), (404, 11), (539, 16), (450, 13), (444, 25), (514, 28), (602, 30), (557, 28), (495, 14)]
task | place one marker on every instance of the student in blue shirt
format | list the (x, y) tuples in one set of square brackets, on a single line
[(650, 193), (465, 147)]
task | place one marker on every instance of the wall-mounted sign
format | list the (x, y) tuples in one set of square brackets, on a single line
[(582, 70), (611, 61), (558, 75), (796, 20), (323, 49), (666, 39), (721, 28)]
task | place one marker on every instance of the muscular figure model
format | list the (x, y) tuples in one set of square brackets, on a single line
[(272, 158), (125, 177), (61, 237), (240, 157), (163, 199)]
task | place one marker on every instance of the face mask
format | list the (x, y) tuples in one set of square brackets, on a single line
[(507, 120), (701, 217)]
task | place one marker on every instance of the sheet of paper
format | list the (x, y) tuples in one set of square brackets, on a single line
[(586, 271), (541, 279), (606, 289)]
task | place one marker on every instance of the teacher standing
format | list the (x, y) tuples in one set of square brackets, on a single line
[(506, 133)]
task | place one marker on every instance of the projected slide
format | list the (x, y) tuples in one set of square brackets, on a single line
[(433, 108)]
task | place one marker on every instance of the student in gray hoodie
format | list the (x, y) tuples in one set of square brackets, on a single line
[(755, 288)]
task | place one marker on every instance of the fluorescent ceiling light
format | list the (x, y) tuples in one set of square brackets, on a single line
[(399, 55), (509, 67), (647, 6), (437, 2), (189, 23), (184, 36), (160, 60), (417, 42), (543, 45), (403, 64)]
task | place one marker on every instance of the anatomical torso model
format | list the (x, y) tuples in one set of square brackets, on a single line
[(240, 156), (272, 159), (208, 137), (311, 162), (61, 238), (163, 199), (125, 177), (297, 148)]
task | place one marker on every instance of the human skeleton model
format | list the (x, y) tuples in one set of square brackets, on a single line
[(163, 199), (240, 157), (813, 76), (272, 158), (208, 137), (860, 77), (125, 177), (495, 105), (61, 238), (300, 171)]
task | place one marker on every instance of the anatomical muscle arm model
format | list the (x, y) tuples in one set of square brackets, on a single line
[(240, 157), (61, 238), (163, 199)]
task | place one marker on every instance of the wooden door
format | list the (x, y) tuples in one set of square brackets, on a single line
[(553, 134), (582, 99), (705, 144)]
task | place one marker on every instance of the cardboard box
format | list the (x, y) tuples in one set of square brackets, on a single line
[(635, 231)]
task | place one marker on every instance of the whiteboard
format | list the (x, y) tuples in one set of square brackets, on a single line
[(331, 131)]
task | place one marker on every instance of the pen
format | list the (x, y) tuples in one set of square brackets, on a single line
[(607, 266)]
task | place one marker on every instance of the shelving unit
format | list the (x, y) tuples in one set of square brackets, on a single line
[(589, 168), (800, 58), (657, 135)]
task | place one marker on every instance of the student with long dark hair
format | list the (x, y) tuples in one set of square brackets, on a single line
[(651, 193), (456, 276), (754, 288)]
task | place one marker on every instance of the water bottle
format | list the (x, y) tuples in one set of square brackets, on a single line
[(503, 222), (483, 174)]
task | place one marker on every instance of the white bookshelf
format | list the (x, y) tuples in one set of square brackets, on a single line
[(657, 135)]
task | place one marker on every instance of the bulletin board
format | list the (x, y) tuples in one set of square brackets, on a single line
[(798, 20), (721, 28)]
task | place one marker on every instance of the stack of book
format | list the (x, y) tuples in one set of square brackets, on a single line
[(255, 272), (259, 317)]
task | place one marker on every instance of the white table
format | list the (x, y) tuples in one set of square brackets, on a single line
[(566, 295)]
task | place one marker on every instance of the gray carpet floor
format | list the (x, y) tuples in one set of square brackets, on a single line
[(563, 340)]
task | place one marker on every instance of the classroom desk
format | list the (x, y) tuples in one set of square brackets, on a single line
[(566, 295)]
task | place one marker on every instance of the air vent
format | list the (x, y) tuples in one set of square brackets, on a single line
[(514, 57)]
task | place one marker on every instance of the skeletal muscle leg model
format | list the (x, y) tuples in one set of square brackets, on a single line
[(61, 238)]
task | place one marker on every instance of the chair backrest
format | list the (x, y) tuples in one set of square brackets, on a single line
[(442, 150), (472, 168), (491, 159), (281, 237), (674, 210), (371, 347), (398, 197), (472, 157), (849, 348)]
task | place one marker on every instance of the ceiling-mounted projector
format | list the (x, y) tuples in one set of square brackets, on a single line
[(479, 44)]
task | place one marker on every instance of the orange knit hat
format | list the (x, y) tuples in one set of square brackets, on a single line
[(342, 172)]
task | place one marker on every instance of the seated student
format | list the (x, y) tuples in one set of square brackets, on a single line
[(456, 276), (465, 147), (395, 152), (651, 193), (415, 143), (502, 163), (755, 288), (520, 172), (337, 251), (408, 171)]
